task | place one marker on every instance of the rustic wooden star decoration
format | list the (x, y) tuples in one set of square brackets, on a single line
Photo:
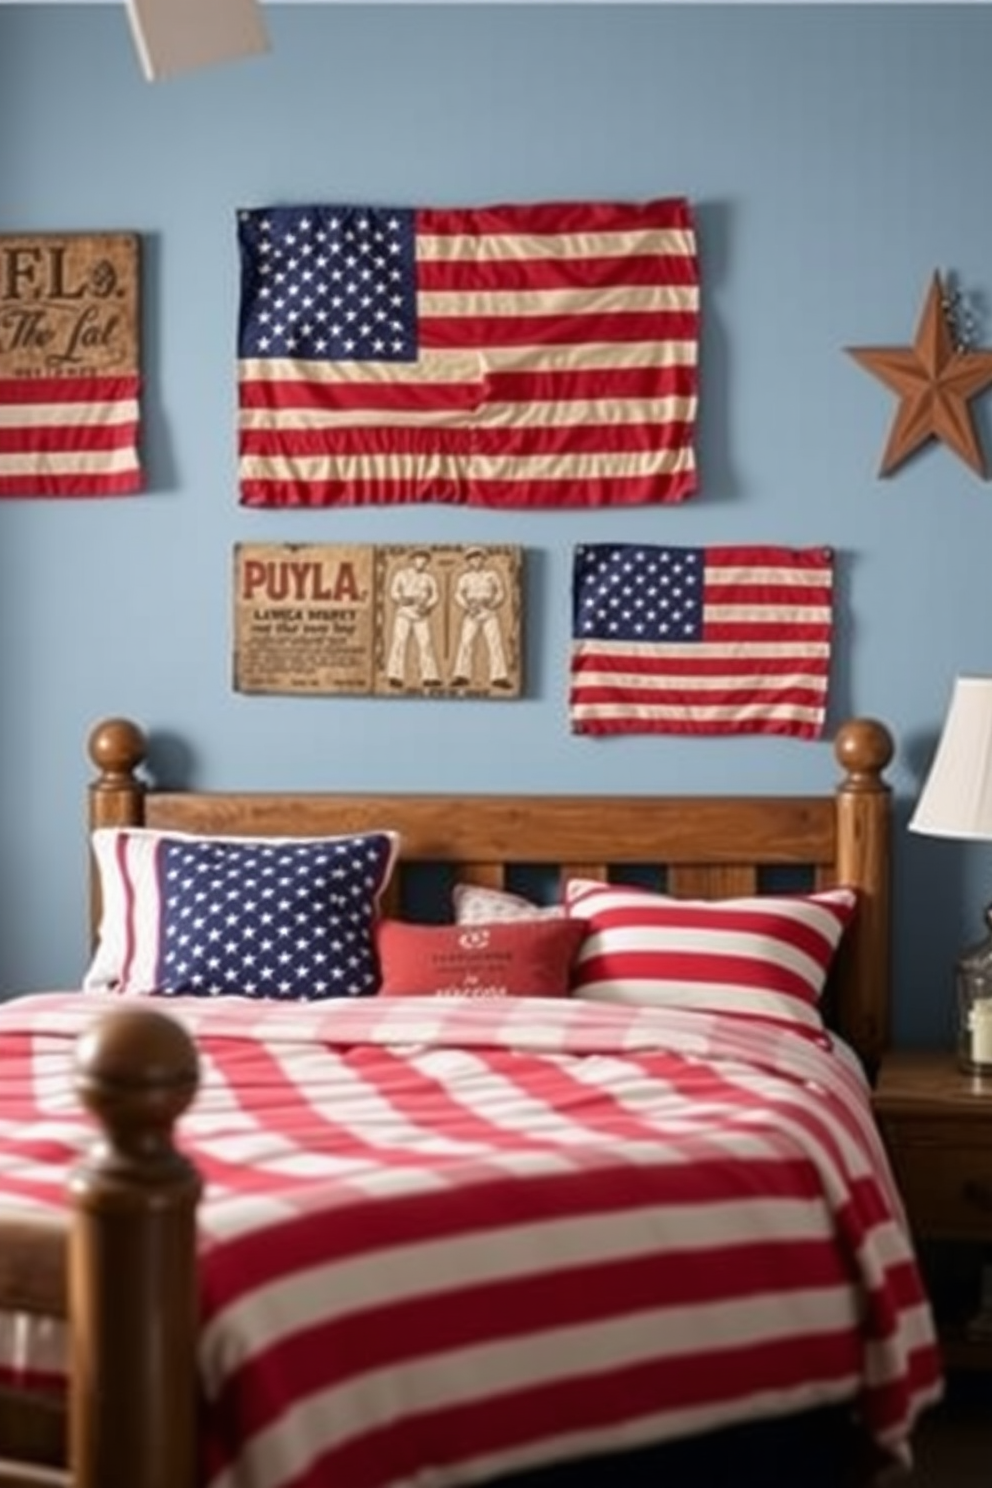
[(935, 380)]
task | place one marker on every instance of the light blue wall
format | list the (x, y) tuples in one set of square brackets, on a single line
[(836, 155)]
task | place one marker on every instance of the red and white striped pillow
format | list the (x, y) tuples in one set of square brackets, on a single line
[(766, 956)]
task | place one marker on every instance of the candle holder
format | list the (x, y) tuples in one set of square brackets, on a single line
[(956, 801), (974, 992)]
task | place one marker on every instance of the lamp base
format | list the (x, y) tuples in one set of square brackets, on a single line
[(974, 1005)]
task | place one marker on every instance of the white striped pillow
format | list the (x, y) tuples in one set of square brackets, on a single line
[(765, 956)]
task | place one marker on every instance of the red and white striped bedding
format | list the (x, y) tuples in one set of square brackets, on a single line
[(443, 1239)]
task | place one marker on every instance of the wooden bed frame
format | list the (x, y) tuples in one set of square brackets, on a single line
[(122, 1270)]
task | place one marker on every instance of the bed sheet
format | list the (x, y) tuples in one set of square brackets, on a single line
[(444, 1240)]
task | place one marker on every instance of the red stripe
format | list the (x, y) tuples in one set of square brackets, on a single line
[(652, 914), (765, 592), (781, 629), (610, 490), (588, 1403), (504, 275), (729, 692), (69, 389), (130, 898), (120, 483), (661, 665), (767, 724), (635, 383), (729, 971), (767, 556), (555, 219), (51, 439), (445, 333)]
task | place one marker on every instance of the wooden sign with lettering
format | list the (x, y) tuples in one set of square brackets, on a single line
[(395, 620), (68, 304), (69, 364)]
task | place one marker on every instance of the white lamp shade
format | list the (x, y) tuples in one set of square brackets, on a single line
[(956, 800), (175, 35)]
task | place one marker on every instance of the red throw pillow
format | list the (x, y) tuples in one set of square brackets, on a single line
[(513, 959)]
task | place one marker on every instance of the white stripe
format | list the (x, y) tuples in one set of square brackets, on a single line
[(736, 713), (719, 573), (702, 650), (69, 462), (74, 414), (487, 246), (669, 682), (626, 991), (429, 466), (775, 612), (607, 299)]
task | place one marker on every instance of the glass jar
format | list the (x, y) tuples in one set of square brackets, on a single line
[(974, 995)]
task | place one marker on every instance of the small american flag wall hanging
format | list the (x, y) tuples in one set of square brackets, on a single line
[(708, 640), (505, 356), (69, 365)]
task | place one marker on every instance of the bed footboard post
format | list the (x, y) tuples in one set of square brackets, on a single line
[(864, 747), (133, 1304)]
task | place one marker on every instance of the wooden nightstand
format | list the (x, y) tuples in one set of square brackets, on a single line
[(937, 1125)]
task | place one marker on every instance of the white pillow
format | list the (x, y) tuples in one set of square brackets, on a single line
[(474, 905)]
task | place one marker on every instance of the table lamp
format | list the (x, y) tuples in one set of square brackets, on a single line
[(956, 801)]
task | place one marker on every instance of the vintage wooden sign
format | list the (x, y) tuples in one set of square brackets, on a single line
[(69, 364), (392, 620), (68, 304)]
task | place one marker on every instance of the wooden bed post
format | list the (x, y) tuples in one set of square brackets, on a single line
[(864, 747), (133, 1299), (117, 797)]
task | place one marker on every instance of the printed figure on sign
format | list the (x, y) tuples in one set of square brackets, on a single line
[(415, 593), (447, 621), (479, 595)]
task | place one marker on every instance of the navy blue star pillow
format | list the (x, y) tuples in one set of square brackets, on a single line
[(278, 918)]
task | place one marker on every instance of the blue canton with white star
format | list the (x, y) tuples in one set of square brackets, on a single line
[(328, 284), (637, 592), (289, 921)]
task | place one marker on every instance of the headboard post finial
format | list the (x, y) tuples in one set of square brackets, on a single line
[(863, 748), (117, 747)]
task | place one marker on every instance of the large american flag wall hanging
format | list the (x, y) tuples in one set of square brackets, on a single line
[(69, 365), (714, 640), (503, 356)]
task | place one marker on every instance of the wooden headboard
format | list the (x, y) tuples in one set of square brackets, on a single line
[(699, 846)]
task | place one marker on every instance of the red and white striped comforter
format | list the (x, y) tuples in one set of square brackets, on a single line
[(446, 1239)]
